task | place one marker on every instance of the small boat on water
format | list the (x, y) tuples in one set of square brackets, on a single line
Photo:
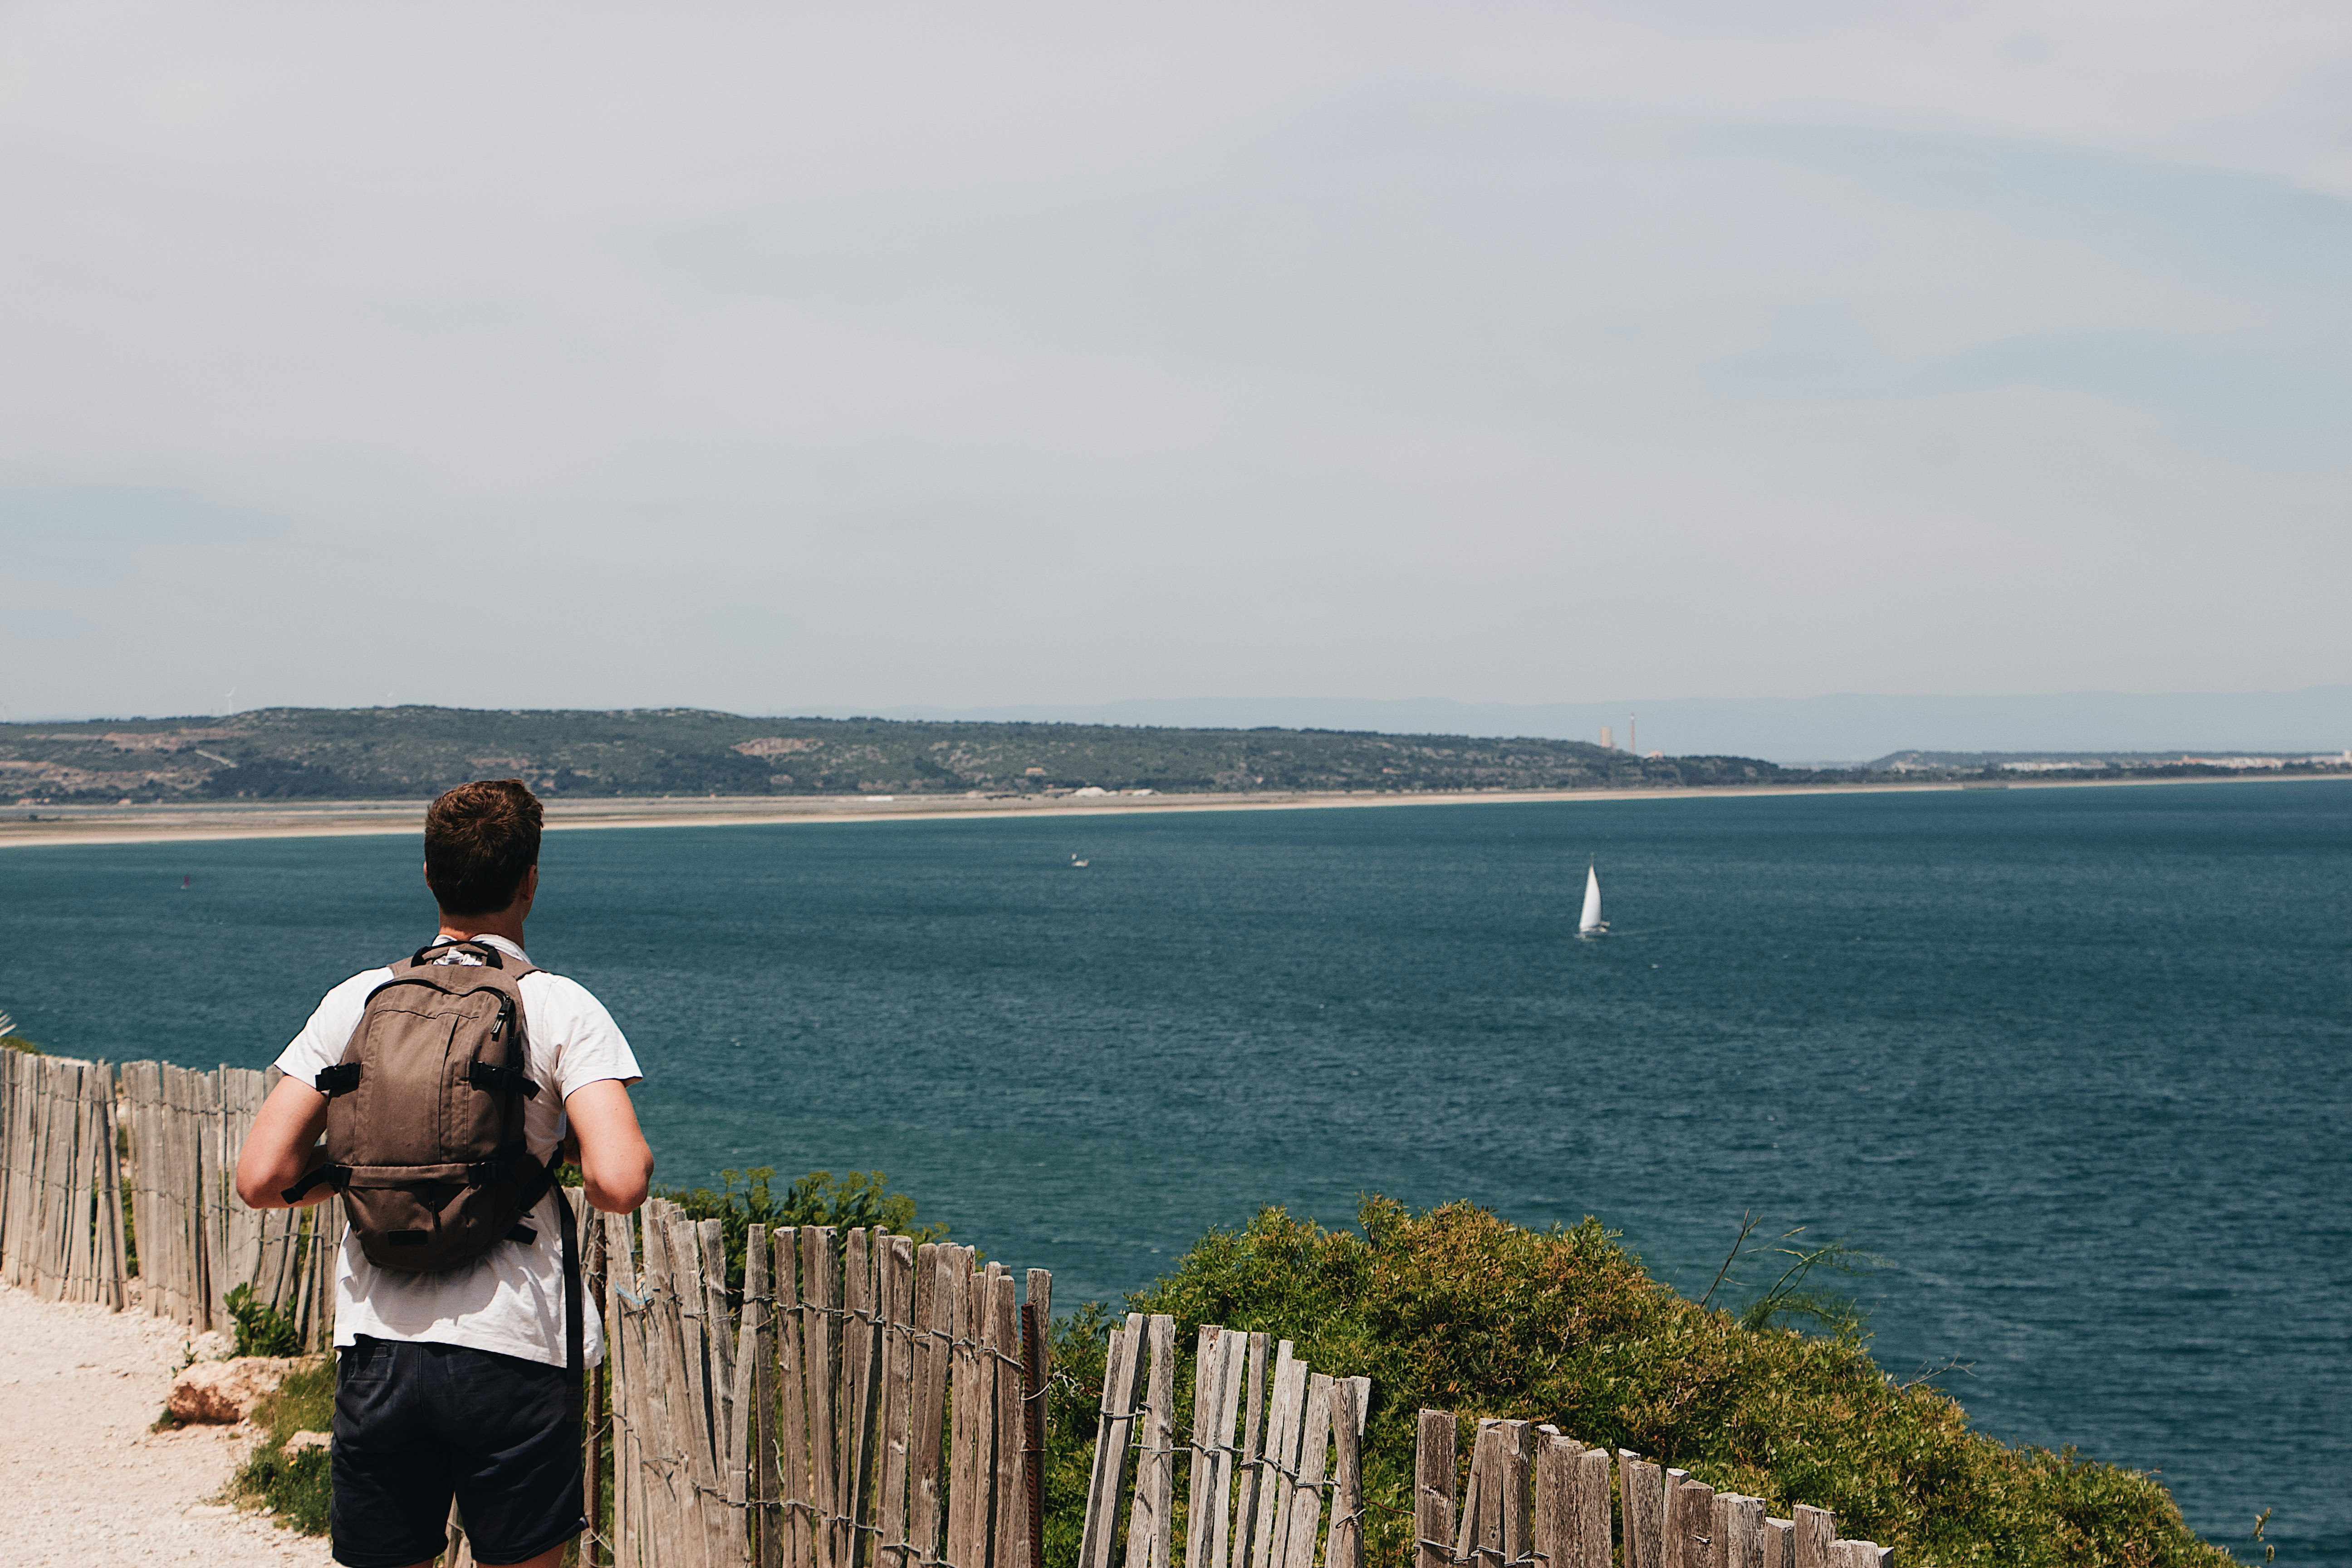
[(1590, 922), (1077, 863)]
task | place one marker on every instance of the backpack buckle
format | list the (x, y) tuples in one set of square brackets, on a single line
[(482, 1173), (341, 1078), (485, 1075)]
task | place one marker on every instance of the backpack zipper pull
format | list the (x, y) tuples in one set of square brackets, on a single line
[(506, 1011)]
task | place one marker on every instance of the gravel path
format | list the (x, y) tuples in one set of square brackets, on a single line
[(86, 1481)]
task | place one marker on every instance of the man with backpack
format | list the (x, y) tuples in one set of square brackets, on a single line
[(450, 1084)]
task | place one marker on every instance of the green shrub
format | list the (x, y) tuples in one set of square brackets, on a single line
[(261, 1328), (298, 1489), (854, 1202), (1454, 1309)]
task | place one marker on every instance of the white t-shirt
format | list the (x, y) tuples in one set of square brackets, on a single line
[(509, 1300)]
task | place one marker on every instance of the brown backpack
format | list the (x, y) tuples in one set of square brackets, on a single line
[(424, 1121)]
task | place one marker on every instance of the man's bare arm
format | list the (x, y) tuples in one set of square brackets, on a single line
[(282, 1148), (614, 1160)]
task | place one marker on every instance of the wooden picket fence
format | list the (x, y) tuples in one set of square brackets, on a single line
[(196, 1241), (1275, 1455), (70, 1133), (873, 1402), (1537, 1497), (60, 1179)]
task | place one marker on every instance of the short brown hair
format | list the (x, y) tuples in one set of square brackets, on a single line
[(480, 839)]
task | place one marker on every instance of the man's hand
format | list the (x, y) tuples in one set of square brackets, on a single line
[(614, 1160), (283, 1147)]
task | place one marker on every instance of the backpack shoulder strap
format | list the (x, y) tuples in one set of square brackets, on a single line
[(575, 1329), (575, 1326)]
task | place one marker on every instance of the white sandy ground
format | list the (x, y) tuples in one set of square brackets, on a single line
[(86, 1481)]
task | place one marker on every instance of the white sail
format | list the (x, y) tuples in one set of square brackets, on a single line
[(1590, 920)]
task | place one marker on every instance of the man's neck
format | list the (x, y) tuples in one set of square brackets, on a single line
[(472, 926)]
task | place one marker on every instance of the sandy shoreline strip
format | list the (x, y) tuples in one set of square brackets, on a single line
[(344, 819)]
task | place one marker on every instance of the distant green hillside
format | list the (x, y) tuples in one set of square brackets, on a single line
[(377, 753)]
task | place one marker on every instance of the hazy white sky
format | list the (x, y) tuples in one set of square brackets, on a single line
[(785, 358)]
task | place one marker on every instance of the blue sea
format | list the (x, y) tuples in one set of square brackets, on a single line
[(2071, 1063)]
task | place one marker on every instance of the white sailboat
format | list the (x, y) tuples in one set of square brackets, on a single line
[(1590, 922)]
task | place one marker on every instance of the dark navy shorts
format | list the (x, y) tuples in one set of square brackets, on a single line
[(417, 1423)]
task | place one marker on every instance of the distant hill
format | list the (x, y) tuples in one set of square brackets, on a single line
[(1791, 731), (378, 754)]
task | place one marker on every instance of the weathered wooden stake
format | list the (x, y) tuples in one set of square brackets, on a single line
[(896, 1255), (1253, 1454), (1117, 1413), (1816, 1532), (1009, 1482), (820, 1296), (1343, 1545), (936, 1266), (794, 1486), (1689, 1521), (1644, 1508), (1432, 1490), (1037, 1374), (1147, 1529), (1738, 1532), (1280, 1460), (1306, 1494)]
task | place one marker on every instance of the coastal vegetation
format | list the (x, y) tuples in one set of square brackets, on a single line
[(260, 1328), (1453, 1308), (296, 1486), (856, 1201), (293, 1484)]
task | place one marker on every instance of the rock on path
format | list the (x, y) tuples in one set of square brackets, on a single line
[(85, 1480)]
